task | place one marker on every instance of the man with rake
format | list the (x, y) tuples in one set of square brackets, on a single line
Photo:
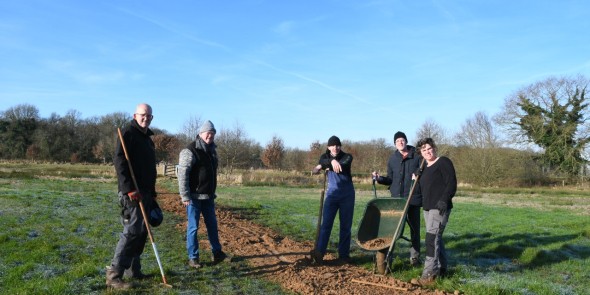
[(143, 160)]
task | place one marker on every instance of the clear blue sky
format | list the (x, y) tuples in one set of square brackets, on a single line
[(302, 70)]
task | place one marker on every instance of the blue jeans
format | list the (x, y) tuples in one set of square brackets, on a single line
[(344, 205), (193, 212)]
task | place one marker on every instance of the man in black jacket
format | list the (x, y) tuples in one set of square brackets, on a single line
[(141, 151), (402, 163)]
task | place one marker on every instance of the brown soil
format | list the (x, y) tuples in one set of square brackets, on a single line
[(287, 262), (376, 244)]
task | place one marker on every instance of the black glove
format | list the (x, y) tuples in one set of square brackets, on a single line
[(442, 207), (418, 172)]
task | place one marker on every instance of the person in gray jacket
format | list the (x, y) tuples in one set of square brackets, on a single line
[(197, 182), (402, 163)]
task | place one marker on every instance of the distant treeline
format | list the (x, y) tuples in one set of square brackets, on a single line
[(550, 115)]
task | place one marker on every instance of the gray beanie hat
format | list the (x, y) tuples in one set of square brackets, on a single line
[(207, 126)]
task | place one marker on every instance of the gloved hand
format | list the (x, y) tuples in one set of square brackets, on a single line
[(134, 195), (442, 207), (418, 172)]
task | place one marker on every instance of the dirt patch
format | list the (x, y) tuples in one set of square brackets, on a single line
[(280, 259)]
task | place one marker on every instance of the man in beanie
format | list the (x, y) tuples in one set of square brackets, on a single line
[(140, 147), (197, 181), (340, 197), (402, 163)]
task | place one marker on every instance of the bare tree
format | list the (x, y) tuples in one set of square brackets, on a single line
[(235, 149), (190, 129), (432, 129), (273, 153), (167, 147), (478, 156), (478, 132)]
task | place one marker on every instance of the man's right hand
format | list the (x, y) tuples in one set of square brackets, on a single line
[(134, 195)]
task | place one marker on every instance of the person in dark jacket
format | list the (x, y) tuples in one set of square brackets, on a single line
[(340, 198), (141, 151), (197, 182), (438, 182), (402, 163)]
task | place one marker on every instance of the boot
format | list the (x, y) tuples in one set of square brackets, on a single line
[(115, 279), (317, 257), (194, 263), (424, 281), (135, 270), (219, 257)]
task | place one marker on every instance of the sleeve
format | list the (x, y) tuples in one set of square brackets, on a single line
[(121, 166), (386, 180), (186, 160), (325, 161), (450, 179)]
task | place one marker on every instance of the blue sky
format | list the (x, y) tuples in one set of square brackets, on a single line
[(302, 70)]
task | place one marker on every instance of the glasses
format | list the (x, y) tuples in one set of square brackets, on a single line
[(149, 116)]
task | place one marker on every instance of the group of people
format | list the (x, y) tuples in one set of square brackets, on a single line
[(436, 184), (197, 183)]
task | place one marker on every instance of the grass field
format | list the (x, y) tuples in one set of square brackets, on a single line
[(60, 225)]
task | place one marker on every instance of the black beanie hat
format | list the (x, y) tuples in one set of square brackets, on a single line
[(334, 140), (398, 135)]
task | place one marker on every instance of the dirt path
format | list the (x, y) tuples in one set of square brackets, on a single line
[(287, 262)]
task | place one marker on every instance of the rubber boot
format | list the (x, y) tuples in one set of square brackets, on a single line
[(115, 279)]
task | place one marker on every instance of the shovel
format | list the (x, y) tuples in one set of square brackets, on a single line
[(145, 219), (402, 223), (317, 233)]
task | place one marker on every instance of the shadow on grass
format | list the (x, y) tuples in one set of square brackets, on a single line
[(515, 251)]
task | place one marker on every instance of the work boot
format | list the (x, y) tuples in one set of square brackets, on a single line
[(135, 274), (115, 279), (424, 281), (317, 257), (219, 256), (194, 263), (345, 259), (415, 261), (135, 270)]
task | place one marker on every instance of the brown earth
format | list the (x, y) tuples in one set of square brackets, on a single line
[(287, 262)]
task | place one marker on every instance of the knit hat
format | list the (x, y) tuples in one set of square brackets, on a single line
[(207, 126), (334, 140), (399, 134)]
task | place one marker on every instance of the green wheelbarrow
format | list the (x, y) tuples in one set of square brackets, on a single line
[(383, 225)]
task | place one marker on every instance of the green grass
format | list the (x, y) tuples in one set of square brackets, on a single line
[(60, 226), (494, 249), (58, 234)]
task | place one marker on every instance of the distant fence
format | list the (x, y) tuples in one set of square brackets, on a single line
[(168, 169)]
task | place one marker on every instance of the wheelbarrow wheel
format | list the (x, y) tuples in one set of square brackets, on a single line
[(380, 257)]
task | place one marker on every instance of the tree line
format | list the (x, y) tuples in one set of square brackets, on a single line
[(541, 133)]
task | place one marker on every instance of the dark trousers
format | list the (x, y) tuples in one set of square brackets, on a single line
[(133, 238), (413, 219)]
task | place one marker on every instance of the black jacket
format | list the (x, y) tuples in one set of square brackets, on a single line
[(399, 175), (142, 154)]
